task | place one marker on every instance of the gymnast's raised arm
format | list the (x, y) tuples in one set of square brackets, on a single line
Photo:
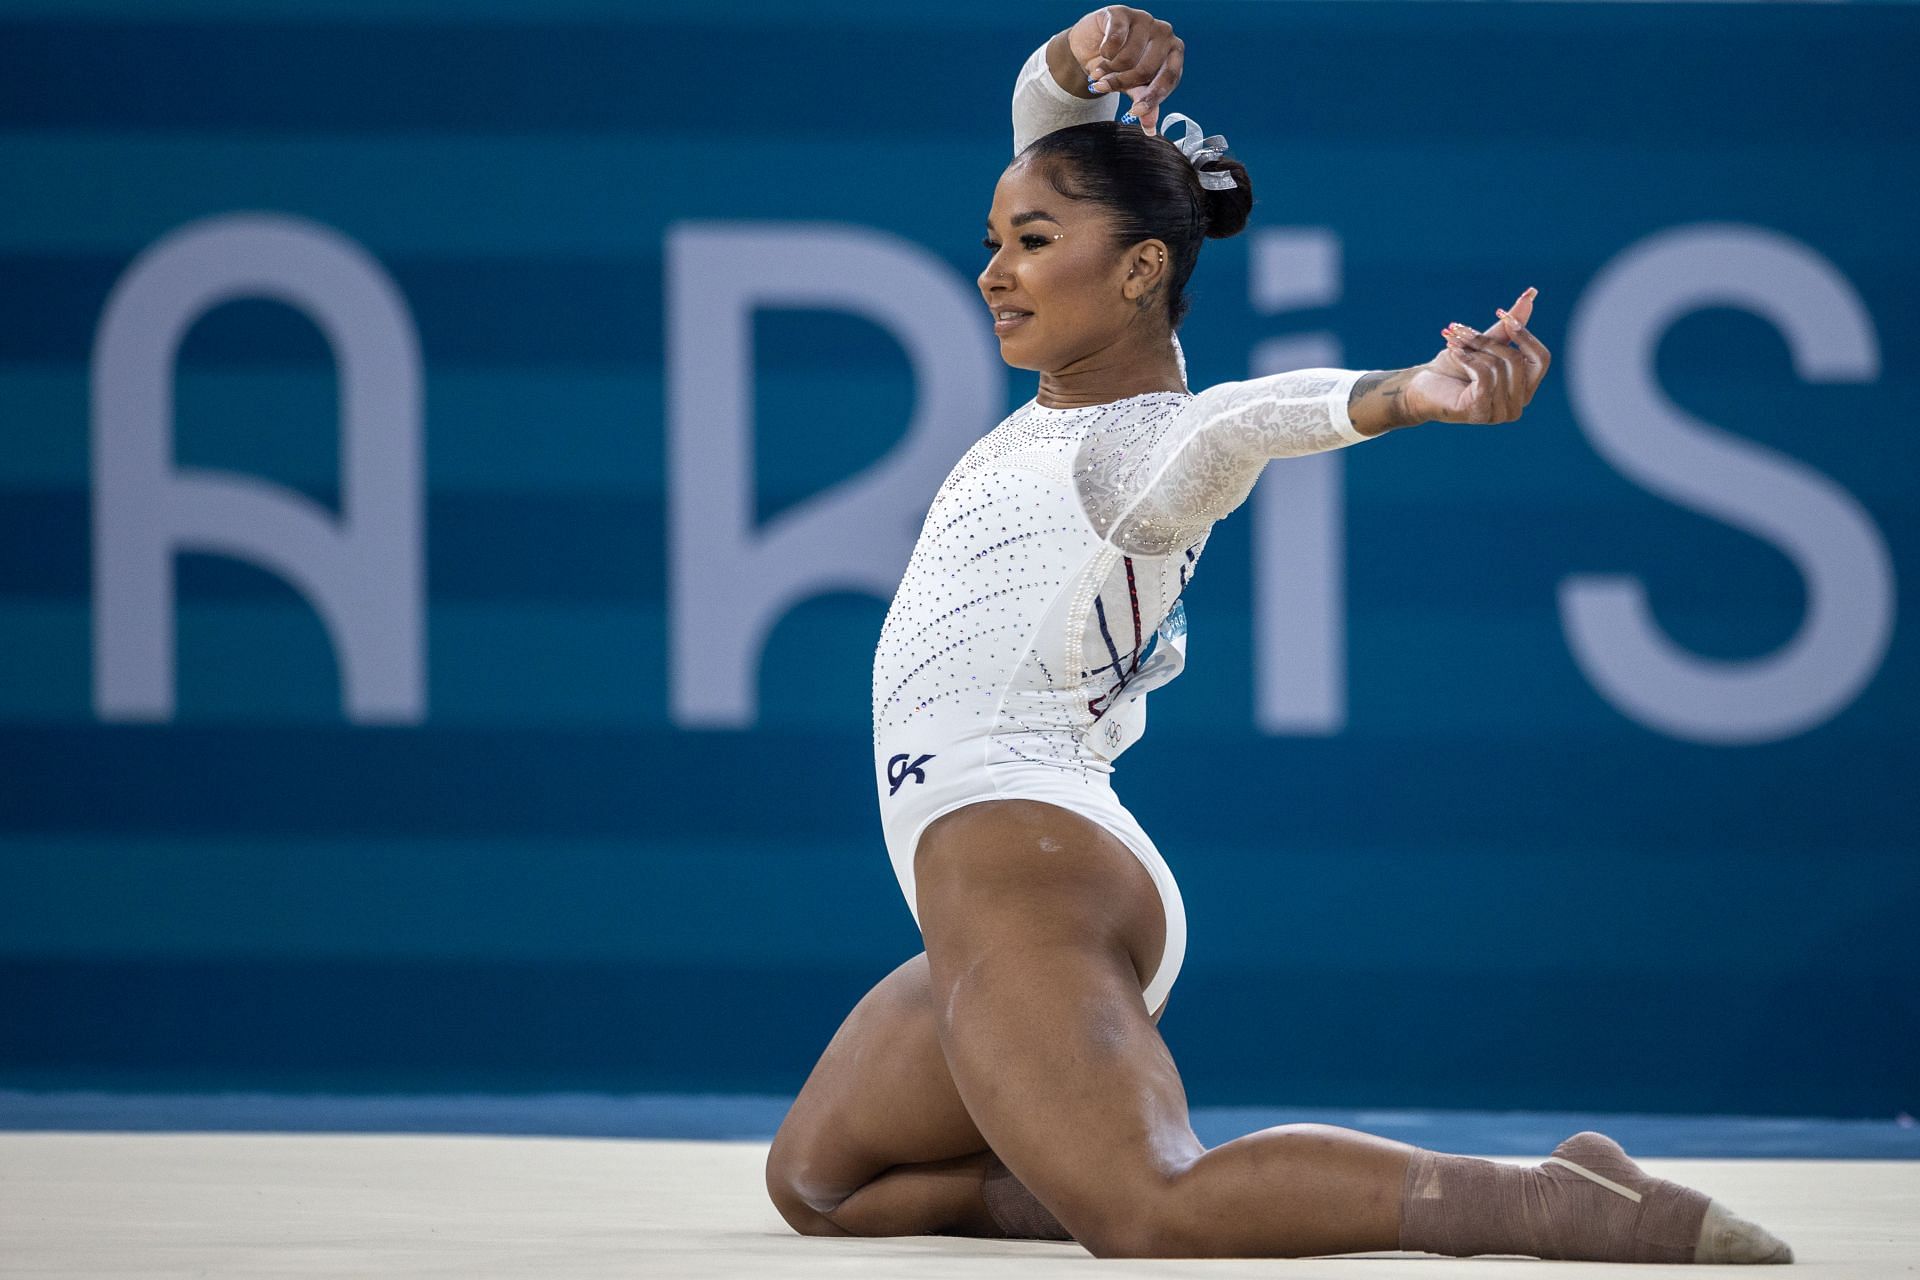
[(1078, 75)]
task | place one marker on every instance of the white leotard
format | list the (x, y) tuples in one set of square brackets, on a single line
[(1042, 599)]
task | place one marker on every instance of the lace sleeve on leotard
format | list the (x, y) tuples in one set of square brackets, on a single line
[(1040, 105), (1151, 496)]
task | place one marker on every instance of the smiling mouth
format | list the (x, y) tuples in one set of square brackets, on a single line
[(1012, 322)]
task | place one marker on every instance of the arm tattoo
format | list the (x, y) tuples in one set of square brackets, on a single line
[(1376, 398)]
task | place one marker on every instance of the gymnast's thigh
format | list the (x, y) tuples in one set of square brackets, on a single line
[(1040, 925)]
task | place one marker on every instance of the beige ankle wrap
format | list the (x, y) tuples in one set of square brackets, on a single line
[(1587, 1201)]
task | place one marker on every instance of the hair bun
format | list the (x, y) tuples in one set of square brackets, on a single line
[(1226, 210)]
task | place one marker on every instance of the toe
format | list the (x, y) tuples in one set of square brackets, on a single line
[(1727, 1237)]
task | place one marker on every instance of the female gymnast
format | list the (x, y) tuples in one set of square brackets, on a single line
[(1011, 1079)]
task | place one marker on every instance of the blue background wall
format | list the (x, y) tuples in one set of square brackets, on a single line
[(1492, 888)]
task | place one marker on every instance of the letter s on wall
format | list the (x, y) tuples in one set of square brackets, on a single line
[(1613, 337)]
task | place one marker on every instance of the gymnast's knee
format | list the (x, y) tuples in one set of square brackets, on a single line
[(1138, 1237), (1150, 1222), (786, 1182)]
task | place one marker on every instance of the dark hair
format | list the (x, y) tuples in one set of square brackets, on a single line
[(1146, 184)]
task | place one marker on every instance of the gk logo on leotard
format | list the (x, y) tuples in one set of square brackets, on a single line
[(899, 770)]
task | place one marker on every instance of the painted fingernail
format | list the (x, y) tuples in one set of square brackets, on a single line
[(1129, 119), (1095, 86)]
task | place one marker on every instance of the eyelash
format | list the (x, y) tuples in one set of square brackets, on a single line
[(989, 244)]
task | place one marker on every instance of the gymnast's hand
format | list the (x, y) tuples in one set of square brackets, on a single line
[(1479, 377), (1130, 49)]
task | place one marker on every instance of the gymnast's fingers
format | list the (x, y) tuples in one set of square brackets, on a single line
[(1508, 378), (1142, 60), (1532, 351), (1499, 384), (1490, 384), (1494, 341), (1523, 305), (1147, 103), (1485, 372), (1507, 404), (1469, 401), (1119, 22)]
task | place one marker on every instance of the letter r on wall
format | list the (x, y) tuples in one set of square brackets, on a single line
[(732, 580)]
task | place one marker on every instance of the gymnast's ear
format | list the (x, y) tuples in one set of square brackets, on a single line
[(1146, 267)]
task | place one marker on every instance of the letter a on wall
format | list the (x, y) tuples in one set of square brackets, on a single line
[(362, 570)]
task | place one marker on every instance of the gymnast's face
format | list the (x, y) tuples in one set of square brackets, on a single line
[(1061, 268)]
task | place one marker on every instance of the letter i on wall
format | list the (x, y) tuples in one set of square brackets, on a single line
[(1299, 515)]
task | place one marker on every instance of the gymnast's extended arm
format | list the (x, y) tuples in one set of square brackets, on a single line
[(1205, 465)]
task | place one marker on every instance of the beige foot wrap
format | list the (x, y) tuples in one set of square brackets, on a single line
[(1020, 1215), (1587, 1202)]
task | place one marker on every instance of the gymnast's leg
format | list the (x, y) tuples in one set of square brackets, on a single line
[(878, 1144), (1039, 925)]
